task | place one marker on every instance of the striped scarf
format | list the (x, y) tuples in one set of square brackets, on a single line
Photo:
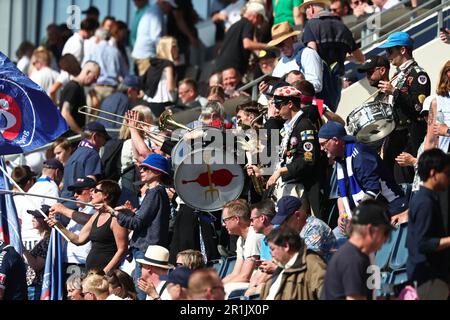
[(346, 173)]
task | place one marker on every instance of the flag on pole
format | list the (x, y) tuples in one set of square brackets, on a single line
[(10, 231), (28, 117), (52, 284)]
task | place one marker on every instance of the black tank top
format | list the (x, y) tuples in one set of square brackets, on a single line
[(103, 245)]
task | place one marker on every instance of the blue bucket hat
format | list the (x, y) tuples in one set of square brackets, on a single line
[(156, 162), (333, 129), (286, 207), (398, 39)]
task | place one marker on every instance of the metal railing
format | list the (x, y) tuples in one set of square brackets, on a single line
[(371, 35)]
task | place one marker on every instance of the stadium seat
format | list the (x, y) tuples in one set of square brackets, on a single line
[(237, 294), (228, 266)]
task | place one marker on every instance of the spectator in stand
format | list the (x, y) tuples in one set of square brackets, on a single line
[(287, 11), (119, 39), (109, 240), (300, 274), (188, 94), (239, 40), (349, 78), (56, 38), (428, 243), (181, 25), (159, 81), (121, 286), (13, 285), (295, 56), (35, 258), (230, 14), (75, 44), (74, 255), (192, 259), (231, 79), (340, 8), (383, 5), (112, 67), (334, 43), (25, 178), (154, 264), (74, 288), (150, 223), (216, 93), (141, 8), (73, 96), (177, 282), (24, 53), (149, 32), (215, 79), (43, 75), (267, 60), (108, 23), (85, 161), (95, 287), (361, 8), (92, 13), (70, 69), (62, 149), (236, 219), (205, 284), (347, 272)]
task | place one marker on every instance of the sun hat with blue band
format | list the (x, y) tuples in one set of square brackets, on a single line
[(401, 39)]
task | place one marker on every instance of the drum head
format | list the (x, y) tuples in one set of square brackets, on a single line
[(375, 131), (205, 185)]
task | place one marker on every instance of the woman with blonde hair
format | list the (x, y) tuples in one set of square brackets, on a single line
[(159, 81)]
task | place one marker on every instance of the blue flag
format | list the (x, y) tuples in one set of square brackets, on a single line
[(52, 284), (28, 117), (9, 222)]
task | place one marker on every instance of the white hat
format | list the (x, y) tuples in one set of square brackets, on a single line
[(257, 7), (156, 256), (172, 3)]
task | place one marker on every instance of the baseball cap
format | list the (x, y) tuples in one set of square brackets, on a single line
[(53, 164), (179, 275), (82, 183), (268, 53), (37, 214), (333, 129), (398, 39), (132, 81), (286, 207), (373, 62), (371, 212), (92, 10), (97, 127)]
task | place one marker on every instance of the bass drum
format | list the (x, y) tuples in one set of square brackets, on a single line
[(207, 179), (371, 122), (193, 140)]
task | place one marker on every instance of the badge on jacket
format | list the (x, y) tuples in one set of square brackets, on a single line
[(308, 156)]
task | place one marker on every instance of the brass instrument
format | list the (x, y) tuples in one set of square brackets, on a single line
[(166, 122), (263, 112), (159, 138)]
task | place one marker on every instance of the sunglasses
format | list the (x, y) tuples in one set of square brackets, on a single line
[(279, 103)]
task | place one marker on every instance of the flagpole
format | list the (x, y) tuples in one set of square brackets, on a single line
[(42, 196), (29, 200)]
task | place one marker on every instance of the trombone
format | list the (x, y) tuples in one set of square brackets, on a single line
[(157, 137)]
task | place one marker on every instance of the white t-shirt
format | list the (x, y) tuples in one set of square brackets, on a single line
[(77, 254), (233, 12), (30, 236), (45, 78), (165, 295), (75, 46), (249, 247), (162, 94), (23, 64), (64, 77)]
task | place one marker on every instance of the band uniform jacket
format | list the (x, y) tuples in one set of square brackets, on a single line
[(302, 154)]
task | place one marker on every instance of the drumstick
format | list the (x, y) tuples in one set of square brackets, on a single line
[(376, 92)]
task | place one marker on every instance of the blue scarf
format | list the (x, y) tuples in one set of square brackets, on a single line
[(345, 172)]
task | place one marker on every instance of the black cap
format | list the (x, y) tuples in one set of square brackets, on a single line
[(97, 127), (82, 183), (373, 62), (92, 10), (268, 53), (371, 212), (53, 164), (37, 214)]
